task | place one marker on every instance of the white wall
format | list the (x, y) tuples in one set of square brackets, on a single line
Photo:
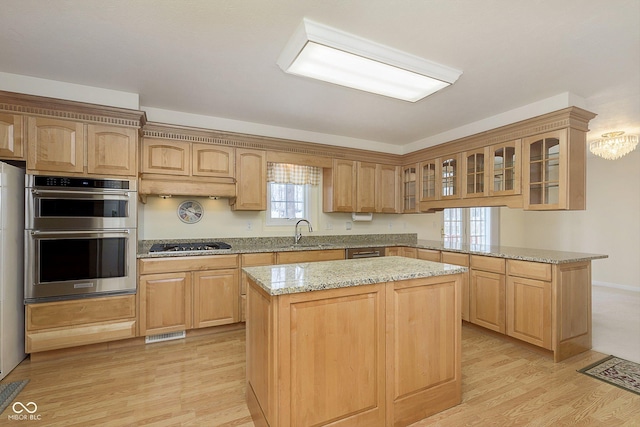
[(159, 220), (610, 225)]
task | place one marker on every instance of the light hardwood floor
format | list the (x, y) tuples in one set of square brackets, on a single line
[(199, 381)]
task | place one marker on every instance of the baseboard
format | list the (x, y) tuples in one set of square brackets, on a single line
[(615, 286)]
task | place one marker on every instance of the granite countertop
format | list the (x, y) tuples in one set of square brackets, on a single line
[(285, 244), (509, 252), (314, 276)]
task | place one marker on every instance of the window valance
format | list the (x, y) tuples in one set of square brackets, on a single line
[(286, 173)]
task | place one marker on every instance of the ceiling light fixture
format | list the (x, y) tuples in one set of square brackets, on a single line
[(333, 56), (613, 145)]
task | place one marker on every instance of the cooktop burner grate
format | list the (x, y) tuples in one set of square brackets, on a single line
[(183, 247)]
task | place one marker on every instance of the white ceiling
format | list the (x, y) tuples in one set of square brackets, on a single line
[(218, 58)]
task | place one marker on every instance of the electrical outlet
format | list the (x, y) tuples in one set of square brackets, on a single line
[(348, 225), (390, 225), (328, 226), (249, 225)]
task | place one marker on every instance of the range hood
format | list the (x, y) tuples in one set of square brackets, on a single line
[(221, 189)]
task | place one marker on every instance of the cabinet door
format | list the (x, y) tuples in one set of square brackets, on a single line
[(112, 150), (428, 255), (215, 297), (429, 172), (55, 145), (450, 177), (251, 260), (505, 164), (487, 301), (475, 173), (165, 157), (365, 187), (410, 189), (11, 143), (339, 187), (387, 189), (460, 259), (545, 176), (165, 303), (251, 180), (529, 310), (213, 160)]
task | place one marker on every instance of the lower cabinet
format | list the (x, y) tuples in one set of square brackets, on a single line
[(487, 293), (404, 251), (457, 258), (63, 324), (428, 255), (528, 301), (309, 256), (183, 293), (251, 260)]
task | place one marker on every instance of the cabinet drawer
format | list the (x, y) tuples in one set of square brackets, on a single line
[(531, 270), (253, 260), (79, 335), (429, 255), (187, 263), (310, 256), (455, 258), (50, 315), (485, 263)]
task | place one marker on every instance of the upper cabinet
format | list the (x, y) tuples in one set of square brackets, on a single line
[(450, 174), (475, 173), (351, 186), (430, 182), (213, 160), (112, 150), (554, 171), (410, 188), (166, 157), (11, 142), (505, 164), (251, 180)]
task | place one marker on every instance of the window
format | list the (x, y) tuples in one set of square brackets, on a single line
[(471, 226), (286, 202)]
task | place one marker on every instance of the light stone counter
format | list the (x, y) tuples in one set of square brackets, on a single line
[(314, 276)]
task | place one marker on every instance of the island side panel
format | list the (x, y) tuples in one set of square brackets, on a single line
[(261, 349), (423, 347), (572, 307), (332, 357)]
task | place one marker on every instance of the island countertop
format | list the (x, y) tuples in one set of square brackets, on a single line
[(314, 276)]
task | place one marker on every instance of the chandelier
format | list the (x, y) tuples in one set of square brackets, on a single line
[(613, 145)]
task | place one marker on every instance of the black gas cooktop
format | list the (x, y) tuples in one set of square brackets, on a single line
[(183, 247)]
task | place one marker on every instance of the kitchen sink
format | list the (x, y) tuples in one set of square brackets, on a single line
[(307, 246)]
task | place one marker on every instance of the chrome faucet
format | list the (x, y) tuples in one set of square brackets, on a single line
[(298, 236)]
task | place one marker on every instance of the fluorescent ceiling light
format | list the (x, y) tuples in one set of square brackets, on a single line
[(333, 56)]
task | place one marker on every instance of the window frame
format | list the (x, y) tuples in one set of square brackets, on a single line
[(278, 222), (465, 220)]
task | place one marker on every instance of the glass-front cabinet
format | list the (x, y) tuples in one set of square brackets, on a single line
[(545, 174), (474, 180), (450, 175), (504, 168), (410, 188), (429, 180)]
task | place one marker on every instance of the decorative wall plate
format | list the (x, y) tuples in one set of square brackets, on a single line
[(190, 211)]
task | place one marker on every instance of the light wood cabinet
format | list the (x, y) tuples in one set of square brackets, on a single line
[(339, 186), (404, 251), (387, 189), (457, 258), (251, 180), (215, 297), (309, 256), (554, 166), (112, 150), (310, 355), (505, 166), (410, 188), (251, 260), (210, 160), (63, 324), (55, 145), (474, 167), (165, 157), (428, 255), (11, 136), (165, 303), (430, 180), (366, 188), (487, 292), (450, 177), (182, 293)]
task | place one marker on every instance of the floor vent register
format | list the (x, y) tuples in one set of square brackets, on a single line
[(165, 337)]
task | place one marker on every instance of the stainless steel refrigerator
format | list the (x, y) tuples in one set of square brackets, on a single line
[(11, 268)]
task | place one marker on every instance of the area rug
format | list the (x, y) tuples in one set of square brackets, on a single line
[(618, 372), (9, 391)]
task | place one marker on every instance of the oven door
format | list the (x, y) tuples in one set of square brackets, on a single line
[(79, 210), (72, 264)]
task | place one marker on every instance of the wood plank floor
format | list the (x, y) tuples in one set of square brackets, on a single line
[(199, 381)]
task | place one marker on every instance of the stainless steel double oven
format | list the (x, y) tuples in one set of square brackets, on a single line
[(80, 237)]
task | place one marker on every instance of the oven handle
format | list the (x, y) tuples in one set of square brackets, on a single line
[(103, 192), (75, 233)]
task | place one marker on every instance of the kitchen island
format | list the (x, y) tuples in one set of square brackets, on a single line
[(369, 342)]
